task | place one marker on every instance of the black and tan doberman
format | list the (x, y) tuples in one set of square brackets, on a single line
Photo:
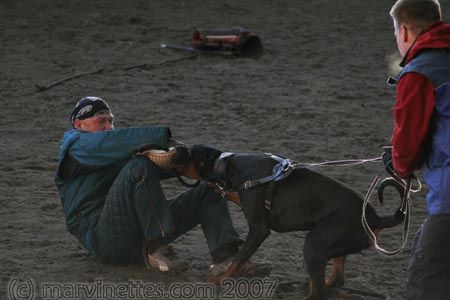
[(303, 201)]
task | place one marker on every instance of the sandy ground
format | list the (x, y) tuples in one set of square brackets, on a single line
[(317, 94)]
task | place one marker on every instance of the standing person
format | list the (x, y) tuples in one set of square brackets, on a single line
[(421, 137), (113, 201)]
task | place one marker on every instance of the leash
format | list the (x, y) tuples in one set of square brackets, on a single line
[(280, 171), (405, 208), (340, 163), (286, 166)]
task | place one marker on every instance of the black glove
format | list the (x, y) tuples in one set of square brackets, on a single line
[(387, 160)]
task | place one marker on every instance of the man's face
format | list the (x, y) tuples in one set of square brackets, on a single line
[(96, 123)]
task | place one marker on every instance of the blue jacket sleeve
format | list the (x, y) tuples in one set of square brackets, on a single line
[(99, 149)]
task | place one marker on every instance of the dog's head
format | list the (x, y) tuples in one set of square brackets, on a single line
[(197, 162)]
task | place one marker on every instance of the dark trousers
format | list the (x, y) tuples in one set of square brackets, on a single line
[(137, 211), (429, 269)]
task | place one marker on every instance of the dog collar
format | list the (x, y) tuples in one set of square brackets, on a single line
[(220, 167)]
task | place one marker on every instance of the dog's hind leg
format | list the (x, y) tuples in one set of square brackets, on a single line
[(337, 274), (315, 261)]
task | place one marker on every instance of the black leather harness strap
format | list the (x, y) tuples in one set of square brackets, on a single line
[(269, 195), (281, 170), (220, 168)]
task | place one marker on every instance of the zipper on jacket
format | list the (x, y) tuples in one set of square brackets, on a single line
[(153, 209)]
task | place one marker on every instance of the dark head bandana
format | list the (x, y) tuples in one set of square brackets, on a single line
[(88, 107)]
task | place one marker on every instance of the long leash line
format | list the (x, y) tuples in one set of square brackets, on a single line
[(288, 165), (405, 208), (339, 163)]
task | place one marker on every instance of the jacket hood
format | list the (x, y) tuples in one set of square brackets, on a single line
[(436, 37)]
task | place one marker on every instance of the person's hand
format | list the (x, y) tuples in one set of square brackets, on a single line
[(386, 157)]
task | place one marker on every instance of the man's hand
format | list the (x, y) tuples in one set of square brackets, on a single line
[(387, 160)]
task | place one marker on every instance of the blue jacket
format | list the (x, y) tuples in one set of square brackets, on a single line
[(88, 164), (435, 65)]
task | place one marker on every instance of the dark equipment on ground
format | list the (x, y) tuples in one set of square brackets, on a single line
[(235, 41)]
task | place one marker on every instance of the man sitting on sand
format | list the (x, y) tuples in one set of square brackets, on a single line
[(113, 201), (421, 137)]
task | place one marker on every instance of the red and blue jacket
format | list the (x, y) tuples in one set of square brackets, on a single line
[(421, 136)]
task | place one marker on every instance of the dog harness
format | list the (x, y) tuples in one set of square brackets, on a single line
[(281, 170)]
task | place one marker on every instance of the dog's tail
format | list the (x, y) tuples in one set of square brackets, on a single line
[(399, 216)]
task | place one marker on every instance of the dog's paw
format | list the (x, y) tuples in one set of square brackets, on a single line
[(334, 282), (221, 271)]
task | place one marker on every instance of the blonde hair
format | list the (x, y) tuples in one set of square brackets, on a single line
[(417, 15)]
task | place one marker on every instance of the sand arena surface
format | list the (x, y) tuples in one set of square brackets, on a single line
[(317, 94)]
